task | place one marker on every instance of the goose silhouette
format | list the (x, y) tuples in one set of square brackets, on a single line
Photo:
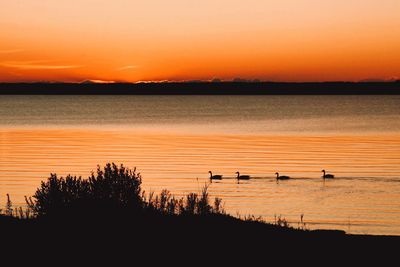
[(278, 177), (327, 175), (242, 177), (214, 177)]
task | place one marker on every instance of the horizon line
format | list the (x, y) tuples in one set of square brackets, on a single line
[(214, 81)]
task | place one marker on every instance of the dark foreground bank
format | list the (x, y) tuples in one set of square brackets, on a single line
[(203, 88), (177, 239)]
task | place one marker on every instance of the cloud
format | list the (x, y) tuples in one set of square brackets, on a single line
[(130, 67), (36, 65), (96, 81), (11, 51)]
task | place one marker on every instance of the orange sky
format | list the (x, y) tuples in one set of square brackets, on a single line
[(128, 40)]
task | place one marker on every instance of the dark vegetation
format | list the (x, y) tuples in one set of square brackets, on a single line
[(110, 211), (204, 88), (113, 188)]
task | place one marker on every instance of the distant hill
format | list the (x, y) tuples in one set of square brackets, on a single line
[(202, 88)]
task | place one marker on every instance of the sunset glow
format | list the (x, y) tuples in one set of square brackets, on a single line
[(121, 40)]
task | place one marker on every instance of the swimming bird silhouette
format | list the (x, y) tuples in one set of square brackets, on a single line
[(242, 177), (327, 176), (278, 177), (214, 177)]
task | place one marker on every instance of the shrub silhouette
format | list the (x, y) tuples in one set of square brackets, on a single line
[(108, 188), (114, 189), (118, 185)]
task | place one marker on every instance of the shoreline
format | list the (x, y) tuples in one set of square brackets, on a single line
[(178, 229)]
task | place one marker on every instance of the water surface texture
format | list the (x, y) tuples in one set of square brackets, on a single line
[(175, 140)]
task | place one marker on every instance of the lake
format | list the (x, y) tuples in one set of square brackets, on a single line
[(175, 140)]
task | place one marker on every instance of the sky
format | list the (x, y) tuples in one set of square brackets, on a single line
[(156, 40)]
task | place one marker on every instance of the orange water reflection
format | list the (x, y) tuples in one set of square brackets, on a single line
[(365, 198)]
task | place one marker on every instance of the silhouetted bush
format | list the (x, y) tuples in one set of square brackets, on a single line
[(114, 188), (108, 188)]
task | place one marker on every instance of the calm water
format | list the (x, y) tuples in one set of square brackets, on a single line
[(175, 140)]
